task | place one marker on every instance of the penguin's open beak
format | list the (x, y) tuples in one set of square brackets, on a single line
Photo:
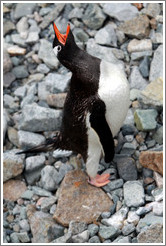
[(61, 37)]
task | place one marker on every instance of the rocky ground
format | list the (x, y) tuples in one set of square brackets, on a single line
[(46, 196)]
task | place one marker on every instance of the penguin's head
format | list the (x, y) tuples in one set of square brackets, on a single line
[(63, 44)]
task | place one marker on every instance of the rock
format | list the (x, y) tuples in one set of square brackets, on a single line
[(49, 178), (106, 232), (134, 94), (80, 35), (33, 37), (82, 237), (64, 169), (23, 9), (93, 230), (56, 100), (158, 179), (27, 195), (77, 227), (127, 168), (156, 67), (94, 239), (22, 26), (156, 207), (29, 139), (114, 184), (137, 27), (7, 64), (46, 54), (133, 218), (106, 36), (102, 52), (42, 68), (153, 9), (13, 136), (17, 39), (143, 210), (117, 219), (8, 78), (136, 80), (133, 193), (24, 225), (136, 56), (128, 148), (158, 135), (37, 119), (158, 194), (153, 93), (64, 239), (20, 72), (61, 153), (120, 11), (76, 13), (136, 45), (144, 67), (86, 207), (145, 119), (122, 239), (40, 192), (93, 17), (8, 26), (43, 227), (12, 164), (153, 234), (152, 160), (46, 203), (5, 122), (21, 91), (13, 189), (127, 229)]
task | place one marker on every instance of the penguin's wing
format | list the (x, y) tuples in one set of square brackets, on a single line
[(100, 125)]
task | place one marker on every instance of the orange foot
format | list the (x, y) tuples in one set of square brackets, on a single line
[(100, 180)]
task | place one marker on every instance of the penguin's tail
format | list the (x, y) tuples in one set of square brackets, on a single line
[(49, 145)]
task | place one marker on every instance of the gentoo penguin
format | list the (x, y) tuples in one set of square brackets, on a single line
[(95, 108)]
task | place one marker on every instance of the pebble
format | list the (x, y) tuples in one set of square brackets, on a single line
[(114, 184), (133, 193), (40, 192), (49, 177), (145, 119), (128, 229), (77, 227), (133, 217), (106, 232), (127, 168), (81, 237), (94, 239), (144, 67), (20, 72), (158, 135), (42, 68), (93, 230), (47, 203), (136, 45), (106, 36), (156, 67), (29, 139), (136, 80)]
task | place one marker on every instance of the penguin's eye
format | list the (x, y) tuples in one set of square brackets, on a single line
[(59, 48)]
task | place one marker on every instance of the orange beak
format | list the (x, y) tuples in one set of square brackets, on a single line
[(61, 37)]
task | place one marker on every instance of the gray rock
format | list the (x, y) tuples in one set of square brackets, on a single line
[(23, 9), (127, 229), (14, 237), (23, 237), (24, 225), (8, 101), (133, 193), (40, 192), (128, 148), (122, 239), (129, 120), (37, 119), (94, 239), (80, 35), (27, 195), (8, 26), (53, 209), (144, 67), (45, 10), (13, 136), (21, 91), (22, 25), (153, 9), (17, 39), (93, 230), (29, 139), (64, 239), (34, 162), (61, 153), (82, 237), (20, 72), (114, 184), (120, 11), (64, 168), (158, 135), (12, 164), (76, 13), (136, 56), (49, 178), (77, 227), (156, 67), (143, 210), (33, 37), (152, 234), (7, 64), (145, 119), (46, 203), (29, 99), (127, 168), (47, 55), (42, 68), (158, 194), (8, 78), (136, 80), (101, 52), (106, 36), (93, 17), (105, 215), (106, 232)]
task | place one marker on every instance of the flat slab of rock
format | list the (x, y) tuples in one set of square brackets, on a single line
[(13, 189), (80, 201)]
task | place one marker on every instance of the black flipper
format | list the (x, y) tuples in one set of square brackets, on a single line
[(100, 125)]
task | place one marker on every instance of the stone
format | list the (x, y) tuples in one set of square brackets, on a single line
[(82, 237), (27, 195), (127, 229), (8, 78), (22, 25), (117, 219), (36, 119), (29, 139), (153, 93), (56, 100), (93, 16), (20, 72), (152, 160), (80, 35), (77, 227), (47, 202), (137, 27), (5, 122), (113, 185), (127, 168), (40, 192), (120, 11), (42, 68), (136, 56), (145, 119), (49, 178), (12, 164), (148, 220), (24, 225), (43, 227), (61, 153), (136, 45), (76, 13), (64, 239), (122, 239), (156, 67), (158, 179), (94, 239), (8, 26), (13, 189), (93, 230), (86, 207), (144, 67), (21, 91), (106, 232), (153, 234), (128, 148), (34, 162), (133, 217), (133, 193), (153, 9), (7, 63), (158, 194), (23, 9), (18, 40), (158, 135), (106, 36), (136, 80), (33, 37), (46, 54), (13, 136), (64, 169)]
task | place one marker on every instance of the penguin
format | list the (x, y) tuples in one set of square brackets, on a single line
[(96, 105)]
